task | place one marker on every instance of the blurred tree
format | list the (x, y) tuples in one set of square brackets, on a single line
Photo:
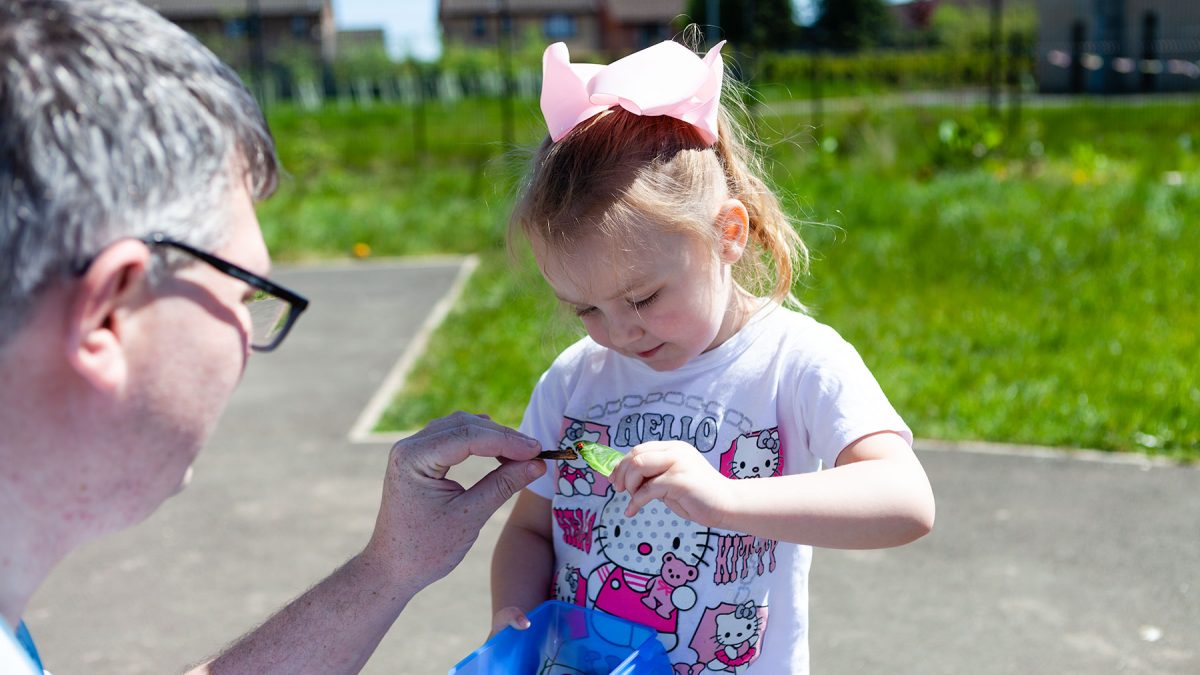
[(757, 24), (968, 28), (853, 24)]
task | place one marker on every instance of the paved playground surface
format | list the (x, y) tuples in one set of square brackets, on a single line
[(1040, 562)]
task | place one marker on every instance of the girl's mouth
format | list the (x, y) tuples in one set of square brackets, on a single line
[(649, 352)]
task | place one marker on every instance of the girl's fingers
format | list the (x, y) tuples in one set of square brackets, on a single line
[(637, 468), (509, 617), (643, 496)]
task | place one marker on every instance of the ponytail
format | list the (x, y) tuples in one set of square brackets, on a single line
[(784, 255)]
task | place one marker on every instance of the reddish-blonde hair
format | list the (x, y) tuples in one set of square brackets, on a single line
[(618, 170)]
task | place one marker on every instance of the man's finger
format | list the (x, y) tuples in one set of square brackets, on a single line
[(453, 445), (500, 485)]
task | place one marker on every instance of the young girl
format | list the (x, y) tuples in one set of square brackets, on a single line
[(752, 432)]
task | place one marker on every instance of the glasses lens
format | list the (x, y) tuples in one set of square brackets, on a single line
[(268, 316)]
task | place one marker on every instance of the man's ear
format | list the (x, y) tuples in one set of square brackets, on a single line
[(733, 225), (96, 337)]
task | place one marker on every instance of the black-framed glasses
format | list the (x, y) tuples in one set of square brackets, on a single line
[(273, 308)]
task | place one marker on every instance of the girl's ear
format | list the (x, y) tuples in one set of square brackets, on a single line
[(96, 339), (733, 225)]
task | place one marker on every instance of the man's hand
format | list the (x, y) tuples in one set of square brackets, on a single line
[(427, 522), (425, 526)]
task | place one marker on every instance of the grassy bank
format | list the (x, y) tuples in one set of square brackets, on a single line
[(1026, 280)]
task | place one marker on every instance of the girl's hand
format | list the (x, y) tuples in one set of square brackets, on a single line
[(678, 475), (508, 617)]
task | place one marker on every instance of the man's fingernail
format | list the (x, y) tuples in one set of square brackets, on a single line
[(534, 469), (533, 442)]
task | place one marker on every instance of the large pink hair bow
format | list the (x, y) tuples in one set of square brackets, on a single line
[(666, 79)]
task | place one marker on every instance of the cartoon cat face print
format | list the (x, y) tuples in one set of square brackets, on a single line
[(575, 433), (566, 583), (640, 543), (575, 477), (737, 627), (755, 456)]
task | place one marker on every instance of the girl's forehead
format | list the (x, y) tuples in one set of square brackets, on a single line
[(611, 265)]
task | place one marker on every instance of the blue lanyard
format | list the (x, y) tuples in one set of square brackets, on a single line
[(26, 641)]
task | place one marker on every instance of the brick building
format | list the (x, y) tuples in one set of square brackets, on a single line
[(299, 28), (610, 27), (1115, 46)]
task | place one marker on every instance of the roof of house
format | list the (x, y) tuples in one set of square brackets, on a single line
[(634, 11), (516, 6), (220, 8)]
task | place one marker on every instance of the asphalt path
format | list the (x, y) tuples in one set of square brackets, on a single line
[(1041, 561)]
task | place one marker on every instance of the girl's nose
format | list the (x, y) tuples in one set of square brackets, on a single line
[(625, 331)]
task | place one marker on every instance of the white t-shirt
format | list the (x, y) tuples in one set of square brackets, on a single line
[(785, 395)]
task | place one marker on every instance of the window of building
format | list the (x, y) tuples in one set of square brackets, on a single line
[(235, 28), (300, 27), (649, 34), (479, 28), (560, 26)]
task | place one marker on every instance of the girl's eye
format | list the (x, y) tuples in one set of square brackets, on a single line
[(646, 302), (584, 311)]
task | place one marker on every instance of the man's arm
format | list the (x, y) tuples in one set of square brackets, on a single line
[(426, 524)]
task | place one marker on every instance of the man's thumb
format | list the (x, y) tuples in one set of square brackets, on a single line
[(505, 481)]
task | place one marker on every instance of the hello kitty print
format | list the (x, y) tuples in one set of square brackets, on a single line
[(753, 455), (704, 591)]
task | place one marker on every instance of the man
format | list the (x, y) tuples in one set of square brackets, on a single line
[(132, 291)]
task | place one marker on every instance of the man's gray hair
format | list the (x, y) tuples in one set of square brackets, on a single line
[(114, 123)]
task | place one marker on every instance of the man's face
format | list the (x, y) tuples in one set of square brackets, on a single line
[(186, 359)]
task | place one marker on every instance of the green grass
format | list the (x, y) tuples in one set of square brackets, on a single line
[(1028, 280), (356, 177)]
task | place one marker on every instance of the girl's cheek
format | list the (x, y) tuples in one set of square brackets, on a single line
[(595, 329)]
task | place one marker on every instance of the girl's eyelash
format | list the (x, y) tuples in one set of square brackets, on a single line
[(643, 303), (637, 304)]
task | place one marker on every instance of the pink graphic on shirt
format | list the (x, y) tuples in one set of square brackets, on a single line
[(758, 454), (729, 637), (636, 552), (621, 593), (569, 585), (739, 554), (662, 590), (576, 525), (574, 476)]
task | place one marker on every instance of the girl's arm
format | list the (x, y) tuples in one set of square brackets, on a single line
[(523, 562), (876, 496)]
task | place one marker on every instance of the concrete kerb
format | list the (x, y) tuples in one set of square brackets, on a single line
[(362, 431)]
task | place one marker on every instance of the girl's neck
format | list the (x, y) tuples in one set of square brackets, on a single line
[(741, 306)]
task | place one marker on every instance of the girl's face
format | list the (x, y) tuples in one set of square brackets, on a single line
[(664, 298)]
